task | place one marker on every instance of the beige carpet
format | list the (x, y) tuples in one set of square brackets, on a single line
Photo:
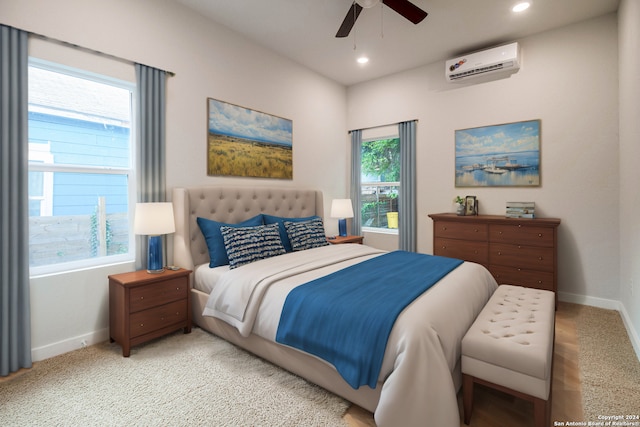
[(180, 380), (609, 367)]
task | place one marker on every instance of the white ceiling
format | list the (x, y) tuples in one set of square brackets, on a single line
[(304, 30)]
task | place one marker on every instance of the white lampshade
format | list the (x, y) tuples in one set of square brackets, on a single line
[(341, 208), (154, 219)]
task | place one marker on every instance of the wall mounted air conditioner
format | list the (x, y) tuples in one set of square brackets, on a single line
[(501, 61)]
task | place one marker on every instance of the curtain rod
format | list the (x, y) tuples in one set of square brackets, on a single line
[(382, 126), (92, 51)]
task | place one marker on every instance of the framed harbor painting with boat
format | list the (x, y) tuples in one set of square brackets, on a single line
[(244, 142), (499, 155)]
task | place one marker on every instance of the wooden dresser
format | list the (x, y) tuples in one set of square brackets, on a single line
[(516, 251), (145, 306)]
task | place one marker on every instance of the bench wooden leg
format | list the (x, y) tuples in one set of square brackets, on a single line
[(467, 397), (541, 412)]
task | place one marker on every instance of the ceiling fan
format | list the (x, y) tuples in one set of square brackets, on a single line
[(404, 7)]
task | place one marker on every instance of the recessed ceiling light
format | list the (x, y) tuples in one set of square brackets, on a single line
[(363, 60), (521, 6)]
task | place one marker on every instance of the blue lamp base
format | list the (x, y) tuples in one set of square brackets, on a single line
[(154, 260), (342, 227)]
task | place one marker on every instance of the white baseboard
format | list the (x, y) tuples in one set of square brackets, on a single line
[(609, 305), (61, 347)]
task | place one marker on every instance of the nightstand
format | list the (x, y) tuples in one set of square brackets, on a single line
[(144, 306), (346, 239)]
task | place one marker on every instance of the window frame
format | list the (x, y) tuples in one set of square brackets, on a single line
[(129, 172), (367, 139)]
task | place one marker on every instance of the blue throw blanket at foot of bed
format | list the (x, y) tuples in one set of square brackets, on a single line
[(346, 317)]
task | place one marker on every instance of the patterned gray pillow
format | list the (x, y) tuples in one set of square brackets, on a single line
[(248, 244), (306, 234)]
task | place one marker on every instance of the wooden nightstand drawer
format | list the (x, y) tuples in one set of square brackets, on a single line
[(469, 251), (143, 297), (156, 318), (531, 235), (524, 257), (528, 278), (458, 230)]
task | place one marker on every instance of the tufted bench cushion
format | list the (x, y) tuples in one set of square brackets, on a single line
[(510, 345)]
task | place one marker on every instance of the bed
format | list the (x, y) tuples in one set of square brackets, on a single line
[(420, 371)]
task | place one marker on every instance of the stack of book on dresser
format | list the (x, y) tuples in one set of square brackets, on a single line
[(520, 209)]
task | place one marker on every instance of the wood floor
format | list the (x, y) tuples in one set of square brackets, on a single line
[(493, 408)]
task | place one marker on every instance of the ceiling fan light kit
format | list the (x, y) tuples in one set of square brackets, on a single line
[(367, 3), (403, 7)]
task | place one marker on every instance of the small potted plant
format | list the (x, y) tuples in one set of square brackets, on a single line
[(460, 205)]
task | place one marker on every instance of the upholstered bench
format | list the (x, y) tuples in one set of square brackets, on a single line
[(509, 347)]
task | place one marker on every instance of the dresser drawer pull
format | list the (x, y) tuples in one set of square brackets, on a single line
[(444, 228), (519, 225), (499, 253), (141, 298), (444, 247), (539, 234), (142, 325), (540, 258)]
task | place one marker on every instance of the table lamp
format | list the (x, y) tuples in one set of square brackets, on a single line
[(154, 220), (342, 209)]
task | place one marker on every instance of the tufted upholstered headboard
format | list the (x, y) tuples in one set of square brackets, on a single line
[(231, 205)]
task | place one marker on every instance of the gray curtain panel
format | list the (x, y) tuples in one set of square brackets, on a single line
[(150, 145), (15, 314), (407, 194), (356, 178)]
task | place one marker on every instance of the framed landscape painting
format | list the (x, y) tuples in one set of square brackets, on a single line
[(499, 155), (244, 142)]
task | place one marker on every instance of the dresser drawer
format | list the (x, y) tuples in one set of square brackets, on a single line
[(528, 278), (525, 257), (156, 318), (458, 230), (467, 250), (522, 235), (143, 297)]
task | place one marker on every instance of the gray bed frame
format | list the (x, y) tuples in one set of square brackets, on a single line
[(231, 205)]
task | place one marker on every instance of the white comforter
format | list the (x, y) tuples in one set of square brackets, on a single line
[(423, 348)]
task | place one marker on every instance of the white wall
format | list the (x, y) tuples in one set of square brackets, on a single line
[(629, 46), (209, 61), (568, 80)]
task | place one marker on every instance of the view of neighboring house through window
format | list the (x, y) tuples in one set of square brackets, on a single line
[(80, 168), (380, 182)]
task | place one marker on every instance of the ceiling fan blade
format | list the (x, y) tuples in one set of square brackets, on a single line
[(349, 20), (407, 9)]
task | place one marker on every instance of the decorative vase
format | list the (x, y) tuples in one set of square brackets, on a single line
[(460, 209)]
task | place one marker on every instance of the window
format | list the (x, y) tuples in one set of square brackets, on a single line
[(380, 182), (80, 168)]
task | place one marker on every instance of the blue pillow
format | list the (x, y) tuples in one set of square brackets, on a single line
[(270, 219), (213, 237), (306, 234), (248, 244)]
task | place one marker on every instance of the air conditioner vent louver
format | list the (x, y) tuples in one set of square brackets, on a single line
[(502, 61)]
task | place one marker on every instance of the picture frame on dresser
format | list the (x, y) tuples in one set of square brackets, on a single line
[(470, 205)]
